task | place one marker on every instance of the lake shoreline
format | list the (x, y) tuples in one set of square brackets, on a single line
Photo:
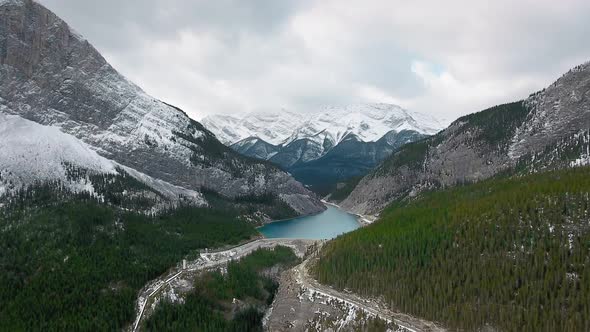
[(363, 219), (287, 219)]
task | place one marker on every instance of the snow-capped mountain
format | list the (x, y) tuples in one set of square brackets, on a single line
[(312, 152), (368, 122), (51, 75), (272, 127)]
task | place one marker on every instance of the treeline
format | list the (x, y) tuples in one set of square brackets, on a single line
[(251, 205), (512, 254), (234, 301), (74, 264), (344, 188), (119, 189)]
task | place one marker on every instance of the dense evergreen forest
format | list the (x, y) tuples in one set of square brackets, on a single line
[(255, 209), (211, 306), (508, 253), (69, 263), (343, 189)]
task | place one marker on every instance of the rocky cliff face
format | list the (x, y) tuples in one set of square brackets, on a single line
[(549, 129), (51, 75), (561, 110)]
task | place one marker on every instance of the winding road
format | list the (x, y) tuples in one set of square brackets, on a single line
[(208, 261), (409, 323), (212, 260)]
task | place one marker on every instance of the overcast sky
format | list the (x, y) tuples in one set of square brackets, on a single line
[(444, 58)]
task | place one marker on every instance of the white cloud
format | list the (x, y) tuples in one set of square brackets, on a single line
[(445, 58)]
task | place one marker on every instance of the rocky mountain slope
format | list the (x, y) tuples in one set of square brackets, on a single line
[(547, 130), (33, 154), (51, 75)]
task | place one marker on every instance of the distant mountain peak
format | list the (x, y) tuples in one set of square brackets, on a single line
[(369, 122)]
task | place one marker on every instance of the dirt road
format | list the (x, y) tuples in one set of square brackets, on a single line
[(405, 321), (207, 261)]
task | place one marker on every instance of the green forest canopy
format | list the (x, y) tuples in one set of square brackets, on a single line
[(509, 253)]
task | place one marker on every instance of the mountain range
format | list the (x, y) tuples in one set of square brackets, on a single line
[(327, 146), (61, 93)]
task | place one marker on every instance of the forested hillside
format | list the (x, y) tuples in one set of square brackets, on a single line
[(234, 301), (510, 253), (69, 263)]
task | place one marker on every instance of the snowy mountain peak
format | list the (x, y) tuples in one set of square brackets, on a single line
[(369, 122)]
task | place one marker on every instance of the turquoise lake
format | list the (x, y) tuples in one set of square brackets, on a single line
[(326, 225)]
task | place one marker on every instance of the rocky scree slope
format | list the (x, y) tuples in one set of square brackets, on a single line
[(550, 129), (51, 75)]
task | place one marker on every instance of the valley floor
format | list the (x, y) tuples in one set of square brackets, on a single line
[(301, 304), (179, 280)]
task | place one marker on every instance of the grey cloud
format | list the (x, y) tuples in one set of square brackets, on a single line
[(236, 55)]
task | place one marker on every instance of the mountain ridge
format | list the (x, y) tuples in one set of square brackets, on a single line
[(520, 135), (368, 121)]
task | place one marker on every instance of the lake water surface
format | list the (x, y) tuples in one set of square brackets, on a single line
[(326, 225)]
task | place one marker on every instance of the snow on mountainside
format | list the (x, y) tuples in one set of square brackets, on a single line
[(34, 153), (368, 122), (50, 75), (272, 127), (31, 152)]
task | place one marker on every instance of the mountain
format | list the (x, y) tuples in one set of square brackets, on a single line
[(548, 130), (52, 76), (272, 127), (369, 122), (350, 158), (256, 148), (325, 147)]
